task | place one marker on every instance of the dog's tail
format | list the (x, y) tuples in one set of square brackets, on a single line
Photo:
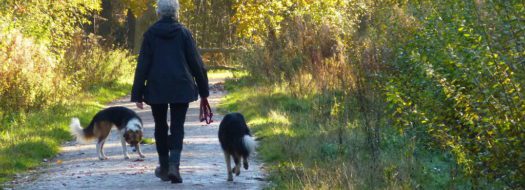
[(249, 143), (82, 135)]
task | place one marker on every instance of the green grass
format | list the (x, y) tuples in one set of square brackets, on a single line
[(303, 151), (28, 138), (220, 74), (148, 141)]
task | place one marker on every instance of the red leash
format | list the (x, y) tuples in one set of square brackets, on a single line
[(205, 111)]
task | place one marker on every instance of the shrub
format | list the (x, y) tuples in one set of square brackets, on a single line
[(451, 72), (460, 81), (28, 74), (89, 64)]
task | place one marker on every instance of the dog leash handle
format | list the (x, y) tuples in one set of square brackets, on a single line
[(205, 111)]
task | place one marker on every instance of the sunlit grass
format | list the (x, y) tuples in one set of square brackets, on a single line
[(148, 141), (220, 74), (303, 153)]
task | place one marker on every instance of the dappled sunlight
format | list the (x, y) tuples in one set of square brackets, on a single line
[(202, 166), (221, 74), (282, 131), (202, 160), (125, 104), (89, 146), (279, 117), (277, 121), (202, 140)]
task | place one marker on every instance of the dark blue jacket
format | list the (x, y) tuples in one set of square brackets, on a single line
[(170, 69)]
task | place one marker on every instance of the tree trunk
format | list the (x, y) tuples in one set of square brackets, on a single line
[(105, 20), (130, 29)]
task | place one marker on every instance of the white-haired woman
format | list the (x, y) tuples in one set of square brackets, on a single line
[(170, 73)]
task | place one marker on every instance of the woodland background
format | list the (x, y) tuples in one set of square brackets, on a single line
[(350, 93)]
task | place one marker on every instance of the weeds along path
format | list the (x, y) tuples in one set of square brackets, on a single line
[(202, 162)]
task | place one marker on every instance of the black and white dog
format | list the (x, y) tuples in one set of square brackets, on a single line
[(125, 120), (236, 141)]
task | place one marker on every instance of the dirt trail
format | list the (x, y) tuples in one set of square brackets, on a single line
[(202, 162)]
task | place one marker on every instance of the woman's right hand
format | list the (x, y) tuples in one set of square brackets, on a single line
[(205, 111), (140, 105)]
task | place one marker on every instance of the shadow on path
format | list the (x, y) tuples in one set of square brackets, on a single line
[(202, 162)]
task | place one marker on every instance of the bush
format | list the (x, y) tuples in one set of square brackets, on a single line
[(89, 64), (29, 75), (451, 73), (50, 23), (44, 60), (461, 82), (32, 78)]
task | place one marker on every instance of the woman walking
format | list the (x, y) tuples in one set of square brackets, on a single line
[(170, 73)]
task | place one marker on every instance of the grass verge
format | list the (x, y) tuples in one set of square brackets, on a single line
[(28, 138), (304, 153)]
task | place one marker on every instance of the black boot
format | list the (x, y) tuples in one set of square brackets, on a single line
[(173, 173), (174, 160), (162, 171)]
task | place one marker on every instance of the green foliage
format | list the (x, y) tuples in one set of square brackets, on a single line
[(460, 81), (29, 74), (148, 141), (448, 75), (33, 79), (261, 20), (51, 23), (209, 22), (304, 151), (46, 56), (46, 59), (402, 94), (87, 63), (137, 7)]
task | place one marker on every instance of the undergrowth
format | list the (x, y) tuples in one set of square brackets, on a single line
[(304, 153)]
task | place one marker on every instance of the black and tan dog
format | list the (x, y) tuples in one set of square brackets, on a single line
[(125, 120), (236, 141)]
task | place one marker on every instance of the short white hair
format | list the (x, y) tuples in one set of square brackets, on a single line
[(168, 8)]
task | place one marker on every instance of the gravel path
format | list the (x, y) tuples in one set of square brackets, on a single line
[(202, 162)]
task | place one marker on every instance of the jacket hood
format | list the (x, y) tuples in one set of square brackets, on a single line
[(166, 28)]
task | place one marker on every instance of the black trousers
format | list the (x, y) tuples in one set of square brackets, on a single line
[(169, 145)]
